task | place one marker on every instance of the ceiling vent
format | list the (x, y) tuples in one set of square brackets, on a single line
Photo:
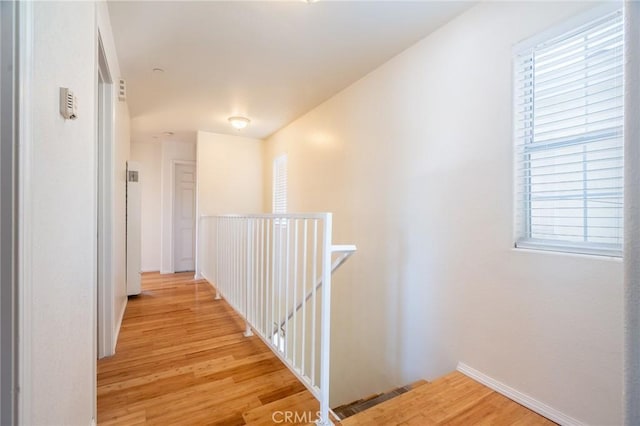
[(122, 90)]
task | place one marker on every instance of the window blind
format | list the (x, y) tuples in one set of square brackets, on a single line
[(569, 145), (279, 199)]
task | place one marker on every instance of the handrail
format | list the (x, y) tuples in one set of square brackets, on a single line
[(267, 216), (268, 267), (347, 251)]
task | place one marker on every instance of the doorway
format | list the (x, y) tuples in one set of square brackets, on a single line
[(184, 202), (104, 140)]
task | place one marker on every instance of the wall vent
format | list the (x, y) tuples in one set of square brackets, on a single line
[(122, 90)]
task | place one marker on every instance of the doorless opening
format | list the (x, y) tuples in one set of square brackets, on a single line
[(104, 234)]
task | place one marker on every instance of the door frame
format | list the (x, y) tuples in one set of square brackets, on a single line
[(175, 163), (104, 300), (25, 47), (9, 217)]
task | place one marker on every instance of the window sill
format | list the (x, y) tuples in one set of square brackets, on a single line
[(533, 248)]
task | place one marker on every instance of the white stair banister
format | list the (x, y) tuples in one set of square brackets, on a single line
[(266, 267)]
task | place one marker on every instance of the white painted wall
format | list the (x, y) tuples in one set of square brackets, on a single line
[(229, 174), (229, 170), (61, 262), (172, 150), (415, 160), (149, 155)]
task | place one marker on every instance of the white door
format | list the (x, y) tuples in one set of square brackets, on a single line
[(184, 202)]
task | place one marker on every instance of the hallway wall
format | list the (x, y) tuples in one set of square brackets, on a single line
[(58, 349), (415, 161), (229, 182), (156, 158), (229, 174), (149, 155)]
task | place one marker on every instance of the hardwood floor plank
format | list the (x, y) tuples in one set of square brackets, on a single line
[(125, 417), (303, 401)]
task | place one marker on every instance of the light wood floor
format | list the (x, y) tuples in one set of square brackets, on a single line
[(182, 359), (454, 399)]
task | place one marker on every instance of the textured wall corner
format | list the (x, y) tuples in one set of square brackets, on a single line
[(632, 214)]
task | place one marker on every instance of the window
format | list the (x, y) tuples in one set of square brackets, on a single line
[(280, 184), (568, 134)]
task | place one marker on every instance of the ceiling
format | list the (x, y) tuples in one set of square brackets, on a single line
[(271, 61)]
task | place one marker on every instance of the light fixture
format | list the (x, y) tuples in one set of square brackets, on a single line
[(238, 122), (167, 133), (158, 70)]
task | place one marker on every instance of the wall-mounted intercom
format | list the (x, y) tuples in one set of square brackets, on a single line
[(68, 104)]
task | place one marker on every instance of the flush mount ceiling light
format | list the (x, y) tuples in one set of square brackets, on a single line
[(239, 123), (158, 70), (167, 133)]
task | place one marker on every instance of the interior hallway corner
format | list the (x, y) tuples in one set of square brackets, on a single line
[(182, 358)]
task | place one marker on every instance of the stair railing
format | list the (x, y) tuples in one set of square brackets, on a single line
[(275, 271), (345, 253)]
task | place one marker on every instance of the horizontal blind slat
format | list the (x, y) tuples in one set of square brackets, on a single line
[(576, 55), (592, 27), (555, 112), (570, 154), (614, 112), (598, 81), (580, 96)]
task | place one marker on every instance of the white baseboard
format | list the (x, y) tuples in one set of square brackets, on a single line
[(519, 397)]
